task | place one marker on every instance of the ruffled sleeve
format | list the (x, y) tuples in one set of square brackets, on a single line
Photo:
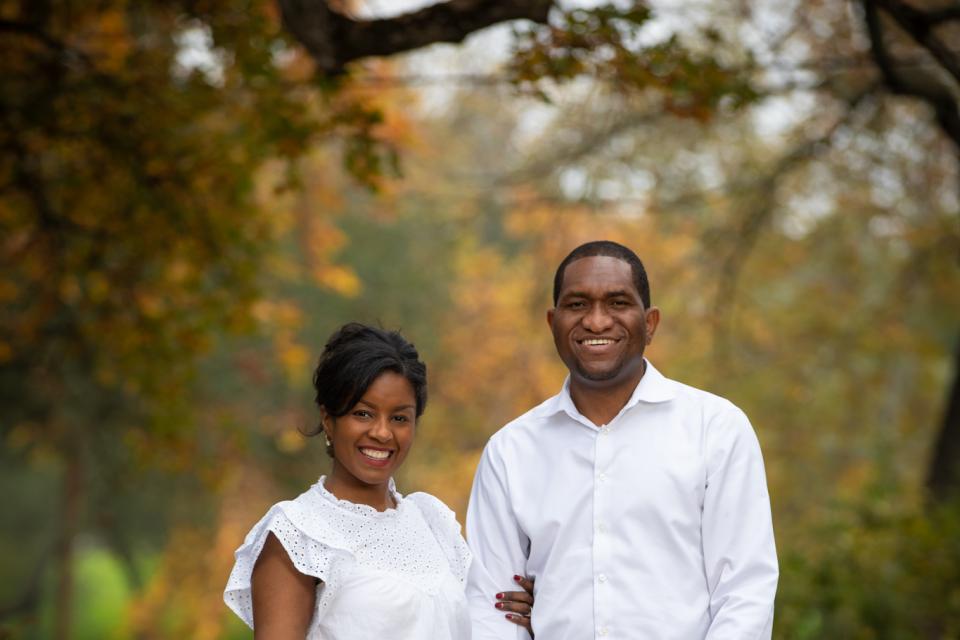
[(314, 547), (443, 523)]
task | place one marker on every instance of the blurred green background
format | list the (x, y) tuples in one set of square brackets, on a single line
[(190, 202)]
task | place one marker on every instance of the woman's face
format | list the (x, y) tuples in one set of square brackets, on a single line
[(372, 439)]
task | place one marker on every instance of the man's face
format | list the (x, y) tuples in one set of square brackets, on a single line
[(599, 325)]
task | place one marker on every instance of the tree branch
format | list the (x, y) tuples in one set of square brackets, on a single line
[(758, 215), (334, 40), (922, 86), (593, 138), (919, 25), (32, 31), (946, 14)]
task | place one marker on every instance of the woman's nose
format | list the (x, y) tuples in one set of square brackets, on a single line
[(380, 430)]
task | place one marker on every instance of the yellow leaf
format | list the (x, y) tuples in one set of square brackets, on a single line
[(290, 441), (339, 279)]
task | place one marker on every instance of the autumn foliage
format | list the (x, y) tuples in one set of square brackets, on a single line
[(187, 209)]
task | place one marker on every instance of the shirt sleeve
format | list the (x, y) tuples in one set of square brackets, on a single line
[(739, 554), (308, 553), (499, 549)]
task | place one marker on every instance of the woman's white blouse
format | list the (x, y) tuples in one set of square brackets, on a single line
[(398, 573)]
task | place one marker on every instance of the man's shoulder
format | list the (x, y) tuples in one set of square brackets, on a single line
[(709, 403), (525, 424)]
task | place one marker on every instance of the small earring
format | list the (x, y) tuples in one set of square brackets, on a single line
[(326, 437)]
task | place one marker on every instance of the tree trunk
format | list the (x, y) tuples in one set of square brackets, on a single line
[(71, 502), (944, 476)]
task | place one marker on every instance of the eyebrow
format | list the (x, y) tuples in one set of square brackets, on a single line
[(403, 407), (608, 294)]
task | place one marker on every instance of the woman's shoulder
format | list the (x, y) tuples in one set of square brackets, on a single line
[(308, 516), (446, 529), (431, 506), (307, 504)]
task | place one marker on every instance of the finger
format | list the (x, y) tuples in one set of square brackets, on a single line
[(516, 596), (525, 583), (521, 621), (515, 607)]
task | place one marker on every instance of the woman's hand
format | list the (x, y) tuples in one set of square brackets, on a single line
[(518, 604)]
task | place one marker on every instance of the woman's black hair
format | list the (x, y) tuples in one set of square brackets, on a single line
[(354, 356)]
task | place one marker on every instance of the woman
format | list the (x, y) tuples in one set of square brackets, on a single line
[(351, 558)]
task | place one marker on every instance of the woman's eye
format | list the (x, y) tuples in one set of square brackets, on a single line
[(401, 419), (361, 413)]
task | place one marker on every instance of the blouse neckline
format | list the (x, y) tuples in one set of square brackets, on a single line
[(362, 509)]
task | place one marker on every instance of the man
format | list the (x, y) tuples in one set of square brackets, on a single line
[(637, 503)]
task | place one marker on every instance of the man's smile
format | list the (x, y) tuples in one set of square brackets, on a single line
[(597, 345), (596, 342)]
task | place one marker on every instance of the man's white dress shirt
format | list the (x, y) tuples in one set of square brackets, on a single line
[(654, 526)]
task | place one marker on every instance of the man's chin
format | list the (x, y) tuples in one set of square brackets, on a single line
[(598, 375)]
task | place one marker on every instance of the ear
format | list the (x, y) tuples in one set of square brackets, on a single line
[(327, 421), (550, 312), (652, 319)]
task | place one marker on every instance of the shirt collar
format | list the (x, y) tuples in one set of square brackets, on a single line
[(653, 387)]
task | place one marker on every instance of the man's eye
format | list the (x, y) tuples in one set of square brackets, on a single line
[(576, 304), (619, 303)]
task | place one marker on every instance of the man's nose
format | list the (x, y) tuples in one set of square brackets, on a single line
[(597, 319)]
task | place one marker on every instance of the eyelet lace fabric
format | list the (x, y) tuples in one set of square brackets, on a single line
[(398, 573)]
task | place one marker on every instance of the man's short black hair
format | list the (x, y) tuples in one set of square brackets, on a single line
[(609, 249), (354, 356)]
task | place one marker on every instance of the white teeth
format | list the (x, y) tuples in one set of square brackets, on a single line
[(596, 342), (374, 453)]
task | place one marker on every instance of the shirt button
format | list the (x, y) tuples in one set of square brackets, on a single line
[(602, 578), (601, 527), (602, 477), (603, 631), (605, 432)]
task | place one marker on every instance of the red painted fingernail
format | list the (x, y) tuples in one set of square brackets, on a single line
[(499, 605), (509, 616), (499, 596), (516, 578)]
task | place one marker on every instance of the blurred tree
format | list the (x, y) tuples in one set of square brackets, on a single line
[(900, 33), (146, 212), (131, 134), (903, 32)]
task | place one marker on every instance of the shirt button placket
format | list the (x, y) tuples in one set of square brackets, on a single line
[(600, 543)]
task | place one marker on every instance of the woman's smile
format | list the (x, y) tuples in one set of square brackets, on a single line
[(376, 457)]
